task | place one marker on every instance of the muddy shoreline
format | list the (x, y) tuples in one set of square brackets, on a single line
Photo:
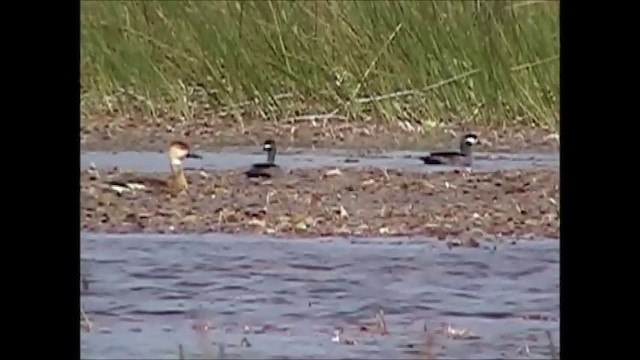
[(355, 202), (115, 133)]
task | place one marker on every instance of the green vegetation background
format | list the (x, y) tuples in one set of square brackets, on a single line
[(494, 62)]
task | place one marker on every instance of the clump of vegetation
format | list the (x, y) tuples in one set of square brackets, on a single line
[(482, 61)]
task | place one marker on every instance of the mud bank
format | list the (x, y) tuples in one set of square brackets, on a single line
[(325, 201), (138, 134)]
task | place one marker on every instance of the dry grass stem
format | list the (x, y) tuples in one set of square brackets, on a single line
[(85, 323)]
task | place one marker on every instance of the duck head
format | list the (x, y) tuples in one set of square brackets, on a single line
[(179, 150), (269, 147), (467, 143)]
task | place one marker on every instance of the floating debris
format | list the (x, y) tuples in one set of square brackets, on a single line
[(337, 338), (552, 347), (381, 323), (85, 322), (245, 343), (458, 334), (524, 350)]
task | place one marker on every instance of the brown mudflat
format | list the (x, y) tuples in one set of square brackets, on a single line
[(330, 202), (115, 133)]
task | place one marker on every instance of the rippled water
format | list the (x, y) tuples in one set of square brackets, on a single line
[(156, 162), (146, 292)]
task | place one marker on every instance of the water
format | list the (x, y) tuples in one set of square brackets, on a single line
[(146, 293), (157, 162)]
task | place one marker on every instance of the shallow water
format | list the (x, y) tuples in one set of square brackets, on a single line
[(147, 291), (157, 162)]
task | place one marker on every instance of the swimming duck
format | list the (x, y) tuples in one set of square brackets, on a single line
[(267, 169), (174, 184), (464, 157)]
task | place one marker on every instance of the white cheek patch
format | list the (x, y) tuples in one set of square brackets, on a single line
[(471, 140), (267, 147)]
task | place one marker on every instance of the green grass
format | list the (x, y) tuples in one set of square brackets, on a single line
[(493, 62)]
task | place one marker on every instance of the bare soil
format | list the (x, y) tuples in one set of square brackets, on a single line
[(136, 133), (329, 202)]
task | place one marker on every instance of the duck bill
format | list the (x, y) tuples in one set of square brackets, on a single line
[(194, 156)]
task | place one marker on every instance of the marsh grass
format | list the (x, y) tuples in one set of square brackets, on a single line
[(482, 61)]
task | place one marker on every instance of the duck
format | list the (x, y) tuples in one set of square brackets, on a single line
[(267, 169), (463, 157), (174, 184)]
